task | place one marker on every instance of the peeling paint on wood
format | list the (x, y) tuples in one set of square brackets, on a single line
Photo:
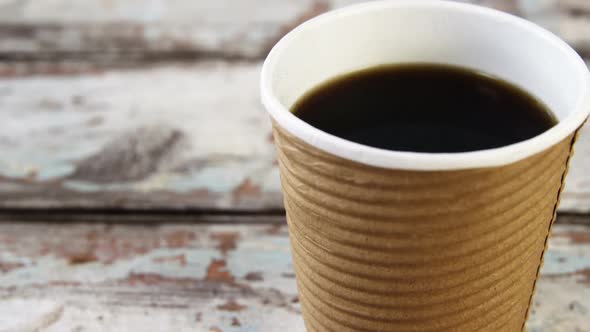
[(212, 288), (231, 305), (40, 314), (97, 121), (195, 284), (136, 29), (576, 195), (561, 302), (140, 31), (177, 136), (172, 136)]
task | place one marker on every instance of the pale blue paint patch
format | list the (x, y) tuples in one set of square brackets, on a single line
[(48, 159), (272, 181), (88, 186), (280, 241), (44, 167), (273, 257), (49, 268), (559, 262), (220, 178), (55, 171), (47, 146), (141, 186), (215, 179)]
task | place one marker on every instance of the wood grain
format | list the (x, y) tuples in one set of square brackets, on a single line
[(178, 136), (175, 277), (133, 29), (127, 104)]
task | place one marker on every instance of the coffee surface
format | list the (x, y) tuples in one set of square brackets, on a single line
[(424, 108)]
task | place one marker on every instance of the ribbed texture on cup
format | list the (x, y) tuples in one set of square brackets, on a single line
[(393, 250)]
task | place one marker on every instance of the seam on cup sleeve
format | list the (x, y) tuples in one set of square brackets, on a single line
[(553, 217)]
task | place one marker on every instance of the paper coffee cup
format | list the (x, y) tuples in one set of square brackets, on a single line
[(402, 241)]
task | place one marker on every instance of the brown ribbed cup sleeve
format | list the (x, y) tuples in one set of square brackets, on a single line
[(394, 250)]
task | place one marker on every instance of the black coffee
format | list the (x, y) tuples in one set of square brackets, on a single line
[(424, 108)]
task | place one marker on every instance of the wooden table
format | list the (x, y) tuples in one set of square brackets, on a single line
[(138, 184), (206, 276)]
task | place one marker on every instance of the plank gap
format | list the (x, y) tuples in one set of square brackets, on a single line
[(139, 216), (186, 216)]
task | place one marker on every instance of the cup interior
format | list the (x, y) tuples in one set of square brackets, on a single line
[(391, 32)]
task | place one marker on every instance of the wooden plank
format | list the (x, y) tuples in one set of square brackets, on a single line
[(156, 278), (573, 23), (170, 277), (562, 301), (136, 29), (576, 195), (154, 217), (178, 136), (139, 29), (99, 123)]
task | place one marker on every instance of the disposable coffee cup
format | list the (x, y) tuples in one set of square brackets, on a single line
[(404, 241)]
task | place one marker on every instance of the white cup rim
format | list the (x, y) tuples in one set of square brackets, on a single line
[(418, 160)]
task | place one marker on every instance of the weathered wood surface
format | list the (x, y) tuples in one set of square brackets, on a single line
[(154, 104), (175, 277), (246, 29), (145, 29), (171, 136)]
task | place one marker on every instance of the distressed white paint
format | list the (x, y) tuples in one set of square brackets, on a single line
[(19, 315), (112, 302), (148, 11), (244, 28), (257, 318), (215, 104), (98, 296), (238, 28), (576, 196), (50, 124), (54, 269), (560, 306)]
